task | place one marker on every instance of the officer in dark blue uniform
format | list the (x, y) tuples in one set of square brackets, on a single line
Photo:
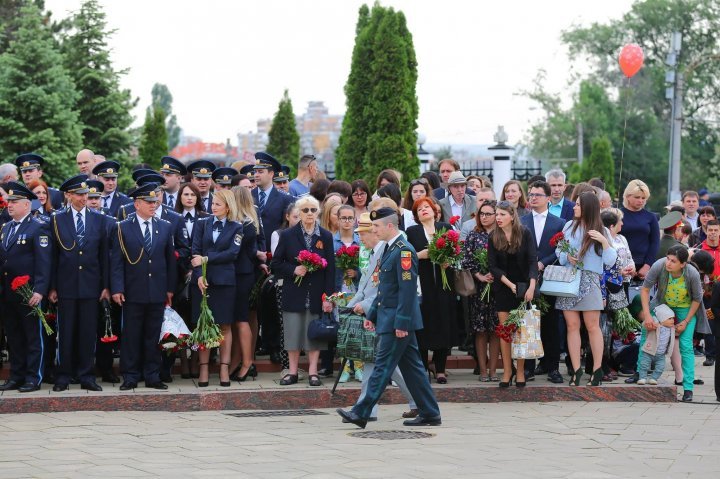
[(25, 249), (94, 198), (222, 177), (202, 171), (80, 280), (143, 275), (173, 171), (395, 316), (107, 172), (282, 179), (249, 171), (30, 165)]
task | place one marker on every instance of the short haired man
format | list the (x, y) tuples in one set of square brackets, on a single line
[(704, 195), (605, 200), (307, 172), (85, 162), (31, 168), (691, 203), (107, 173), (8, 173), (222, 177), (173, 171), (712, 246), (395, 316), (445, 168), (281, 179), (458, 203), (249, 171), (202, 171), (559, 206)]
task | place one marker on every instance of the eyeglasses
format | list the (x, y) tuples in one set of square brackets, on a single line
[(485, 215), (359, 193), (347, 219), (536, 195), (309, 210)]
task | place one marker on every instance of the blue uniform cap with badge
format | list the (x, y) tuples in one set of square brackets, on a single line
[(29, 161), (224, 175), (146, 192), (249, 171), (150, 178), (265, 161), (172, 165), (283, 175), (107, 169), (201, 168), (77, 185), (140, 172), (18, 191), (95, 188)]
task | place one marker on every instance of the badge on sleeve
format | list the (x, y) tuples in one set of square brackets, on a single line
[(44, 241), (238, 239), (406, 260), (406, 276)]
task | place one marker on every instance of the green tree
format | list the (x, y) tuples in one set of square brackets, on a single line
[(284, 141), (38, 98), (162, 97), (600, 163), (153, 142), (104, 107)]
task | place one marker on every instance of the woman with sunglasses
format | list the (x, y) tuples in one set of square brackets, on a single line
[(419, 188), (482, 314), (303, 302)]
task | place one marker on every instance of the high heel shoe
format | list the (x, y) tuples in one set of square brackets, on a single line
[(596, 378), (252, 372), (575, 378), (234, 375), (225, 384), (504, 384), (203, 384)]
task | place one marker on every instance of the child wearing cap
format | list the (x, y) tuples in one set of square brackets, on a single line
[(658, 343)]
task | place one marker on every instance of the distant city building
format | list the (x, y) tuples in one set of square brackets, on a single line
[(222, 154)]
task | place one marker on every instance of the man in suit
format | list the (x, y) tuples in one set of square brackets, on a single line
[(80, 280), (107, 172), (94, 197), (395, 316), (30, 165), (446, 167), (544, 226), (202, 171), (559, 206), (25, 249), (458, 203), (142, 280), (173, 171)]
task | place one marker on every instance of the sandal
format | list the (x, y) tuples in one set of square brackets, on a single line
[(289, 379), (484, 379), (494, 379), (314, 380)]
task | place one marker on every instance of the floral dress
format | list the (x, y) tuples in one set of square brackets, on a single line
[(483, 317)]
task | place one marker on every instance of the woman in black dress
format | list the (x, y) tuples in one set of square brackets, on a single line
[(438, 306), (512, 257)]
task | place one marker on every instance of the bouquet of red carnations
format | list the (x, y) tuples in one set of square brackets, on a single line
[(21, 285), (347, 257), (559, 241), (207, 334), (445, 248), (3, 204), (311, 261), (454, 221), (481, 257), (514, 321)]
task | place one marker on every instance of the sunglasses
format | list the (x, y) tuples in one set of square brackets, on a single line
[(419, 181), (309, 210)]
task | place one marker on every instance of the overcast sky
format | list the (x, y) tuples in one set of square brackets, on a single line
[(227, 62)]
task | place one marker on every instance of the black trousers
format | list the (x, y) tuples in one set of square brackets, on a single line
[(77, 335), (140, 355), (25, 343)]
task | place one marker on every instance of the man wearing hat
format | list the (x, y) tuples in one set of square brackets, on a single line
[(30, 165), (202, 171), (173, 171), (668, 224), (107, 172), (395, 316), (249, 171), (80, 281), (94, 199), (25, 249), (222, 177), (281, 179), (142, 280), (704, 196), (458, 202)]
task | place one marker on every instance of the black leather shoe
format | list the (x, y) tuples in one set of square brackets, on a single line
[(157, 385), (275, 357), (709, 362), (110, 377), (529, 376), (698, 382), (687, 396), (555, 377), (370, 419), (29, 387), (352, 418), (60, 387), (632, 379), (127, 385), (9, 385), (93, 386), (423, 421), (166, 378), (325, 373), (541, 369)]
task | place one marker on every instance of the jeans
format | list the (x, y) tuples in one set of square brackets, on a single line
[(646, 362)]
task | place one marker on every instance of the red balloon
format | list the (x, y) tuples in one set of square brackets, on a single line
[(631, 59)]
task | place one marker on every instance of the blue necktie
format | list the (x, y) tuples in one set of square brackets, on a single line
[(105, 201), (11, 233), (171, 202), (146, 238), (263, 197), (80, 230)]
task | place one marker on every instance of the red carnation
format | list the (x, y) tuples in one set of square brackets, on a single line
[(454, 220), (109, 339), (440, 243), (19, 282), (453, 235), (177, 255), (557, 237)]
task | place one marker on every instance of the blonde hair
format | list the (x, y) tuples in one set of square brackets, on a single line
[(636, 187), (378, 203), (245, 205), (228, 198), (327, 206)]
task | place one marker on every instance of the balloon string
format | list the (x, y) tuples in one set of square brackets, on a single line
[(622, 148)]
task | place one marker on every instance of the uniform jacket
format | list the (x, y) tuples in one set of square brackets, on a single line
[(180, 235), (396, 305), (80, 272), (118, 200), (30, 253), (153, 274), (273, 213), (56, 198), (221, 254), (247, 258), (553, 225)]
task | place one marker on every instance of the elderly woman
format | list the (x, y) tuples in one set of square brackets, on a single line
[(640, 227), (301, 303)]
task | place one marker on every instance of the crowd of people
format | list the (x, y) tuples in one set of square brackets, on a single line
[(92, 255)]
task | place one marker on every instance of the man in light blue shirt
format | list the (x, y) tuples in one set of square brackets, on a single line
[(307, 170)]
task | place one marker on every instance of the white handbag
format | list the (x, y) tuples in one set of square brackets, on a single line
[(561, 281)]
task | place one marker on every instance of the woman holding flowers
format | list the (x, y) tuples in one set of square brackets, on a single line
[(586, 247), (346, 280), (304, 284), (438, 305), (512, 258), (483, 318), (215, 247)]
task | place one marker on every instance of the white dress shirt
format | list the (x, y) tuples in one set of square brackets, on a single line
[(457, 209), (539, 222), (82, 214)]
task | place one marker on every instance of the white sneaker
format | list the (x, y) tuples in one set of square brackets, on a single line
[(641, 382), (652, 382)]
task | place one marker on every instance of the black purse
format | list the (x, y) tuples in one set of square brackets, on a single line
[(324, 328)]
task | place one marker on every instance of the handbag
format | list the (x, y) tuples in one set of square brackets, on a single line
[(354, 342), (526, 342), (324, 328), (465, 283), (562, 281)]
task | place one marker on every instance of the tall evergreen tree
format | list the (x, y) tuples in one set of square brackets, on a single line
[(104, 107), (284, 141), (161, 96), (153, 142), (38, 98), (600, 164)]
